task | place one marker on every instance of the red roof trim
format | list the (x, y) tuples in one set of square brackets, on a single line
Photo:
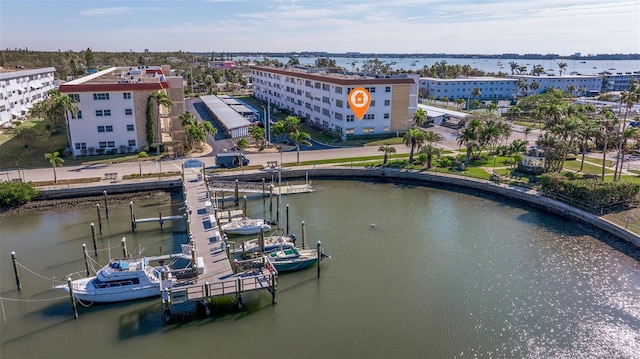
[(64, 88)]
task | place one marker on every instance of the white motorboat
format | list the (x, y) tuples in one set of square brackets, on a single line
[(271, 243), (246, 226), (121, 280), (292, 259)]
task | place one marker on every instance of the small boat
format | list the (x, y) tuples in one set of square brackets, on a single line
[(246, 226), (119, 280), (271, 243), (292, 259)]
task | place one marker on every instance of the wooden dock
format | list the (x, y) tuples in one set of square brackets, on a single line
[(218, 278)]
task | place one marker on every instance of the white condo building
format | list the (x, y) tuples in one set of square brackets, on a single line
[(19, 90), (491, 88), (112, 106), (321, 96), (585, 85)]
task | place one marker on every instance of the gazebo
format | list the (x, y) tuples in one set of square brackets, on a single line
[(533, 162)]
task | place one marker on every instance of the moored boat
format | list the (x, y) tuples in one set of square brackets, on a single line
[(246, 226)]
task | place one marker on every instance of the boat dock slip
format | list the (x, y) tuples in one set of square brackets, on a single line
[(218, 276), (253, 187)]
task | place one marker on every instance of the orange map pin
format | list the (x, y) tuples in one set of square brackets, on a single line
[(359, 101)]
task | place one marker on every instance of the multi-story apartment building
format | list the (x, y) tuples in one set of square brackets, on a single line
[(619, 81), (321, 96), (579, 85), (491, 88), (112, 106), (19, 90)]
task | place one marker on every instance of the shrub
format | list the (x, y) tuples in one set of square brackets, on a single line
[(13, 194)]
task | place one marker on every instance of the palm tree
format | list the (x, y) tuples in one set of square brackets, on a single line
[(55, 160), (196, 131), (299, 138), (414, 139), (431, 151), (419, 117), (387, 149), (161, 99), (562, 66)]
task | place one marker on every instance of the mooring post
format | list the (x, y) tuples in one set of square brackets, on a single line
[(124, 247), (86, 260), (261, 240), (15, 270), (237, 195), (273, 287), (160, 219), (99, 219), (239, 293), (271, 202), (244, 206), (106, 205), (72, 297), (131, 215), (93, 238), (319, 258), (287, 212), (304, 233), (278, 211)]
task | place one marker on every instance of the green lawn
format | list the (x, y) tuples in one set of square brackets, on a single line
[(13, 154)]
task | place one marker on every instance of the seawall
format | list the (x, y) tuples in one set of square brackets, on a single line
[(520, 194)]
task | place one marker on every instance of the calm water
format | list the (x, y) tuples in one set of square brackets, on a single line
[(588, 67), (415, 272)]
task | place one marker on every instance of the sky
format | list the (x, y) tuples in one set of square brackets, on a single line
[(561, 27)]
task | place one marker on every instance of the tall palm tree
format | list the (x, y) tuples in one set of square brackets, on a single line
[(627, 99), (562, 66), (299, 138), (414, 139), (161, 98), (387, 149), (419, 117), (55, 160)]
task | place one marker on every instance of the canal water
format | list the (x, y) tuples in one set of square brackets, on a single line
[(416, 272)]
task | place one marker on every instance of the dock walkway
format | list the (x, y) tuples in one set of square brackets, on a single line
[(218, 278)]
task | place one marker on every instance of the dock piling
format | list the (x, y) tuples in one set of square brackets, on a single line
[(15, 270), (123, 242), (236, 196), (72, 297), (86, 260), (93, 238), (99, 219), (106, 205), (319, 257)]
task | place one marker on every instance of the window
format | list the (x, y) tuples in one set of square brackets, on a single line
[(129, 127), (126, 95), (132, 143), (100, 128), (75, 97), (128, 111), (100, 96)]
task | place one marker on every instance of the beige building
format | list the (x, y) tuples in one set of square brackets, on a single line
[(321, 96)]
